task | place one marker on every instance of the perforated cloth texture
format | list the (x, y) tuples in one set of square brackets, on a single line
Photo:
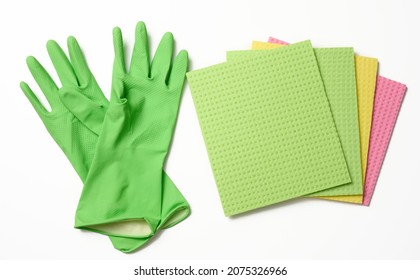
[(268, 128), (389, 95), (366, 69), (338, 74)]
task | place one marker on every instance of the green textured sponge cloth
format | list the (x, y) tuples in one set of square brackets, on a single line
[(268, 128)]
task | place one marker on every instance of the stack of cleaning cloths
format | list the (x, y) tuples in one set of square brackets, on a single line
[(284, 121)]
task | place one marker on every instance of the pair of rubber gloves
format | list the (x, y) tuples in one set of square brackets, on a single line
[(117, 147)]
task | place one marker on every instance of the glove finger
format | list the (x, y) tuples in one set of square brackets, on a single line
[(90, 113), (44, 81), (117, 91), (140, 61), (119, 60), (61, 64), (39, 108), (83, 73), (163, 56), (78, 61), (179, 68)]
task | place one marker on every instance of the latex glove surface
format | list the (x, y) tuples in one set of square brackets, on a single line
[(123, 193), (75, 121)]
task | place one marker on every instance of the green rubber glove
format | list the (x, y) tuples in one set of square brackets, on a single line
[(122, 195), (76, 128)]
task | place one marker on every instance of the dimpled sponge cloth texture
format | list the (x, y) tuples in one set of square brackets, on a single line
[(365, 78), (268, 128), (388, 99), (366, 71), (389, 95), (338, 74)]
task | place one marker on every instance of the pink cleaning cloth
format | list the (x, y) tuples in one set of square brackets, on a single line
[(389, 95), (277, 41)]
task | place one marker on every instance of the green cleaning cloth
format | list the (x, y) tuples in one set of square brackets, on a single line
[(78, 110), (338, 74), (268, 128), (122, 194)]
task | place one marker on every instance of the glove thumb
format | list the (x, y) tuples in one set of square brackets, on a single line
[(90, 113)]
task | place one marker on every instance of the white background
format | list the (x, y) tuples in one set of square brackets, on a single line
[(39, 190)]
